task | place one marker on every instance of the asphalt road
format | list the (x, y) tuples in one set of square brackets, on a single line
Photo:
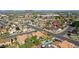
[(14, 35), (60, 35)]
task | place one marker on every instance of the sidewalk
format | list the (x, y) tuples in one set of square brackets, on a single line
[(57, 32)]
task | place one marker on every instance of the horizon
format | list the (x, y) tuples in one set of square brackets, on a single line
[(39, 10)]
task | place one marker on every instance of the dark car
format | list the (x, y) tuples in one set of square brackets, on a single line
[(2, 46)]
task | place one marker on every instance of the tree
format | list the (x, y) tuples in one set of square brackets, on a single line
[(6, 34), (35, 41), (47, 37), (48, 24), (31, 42), (75, 24)]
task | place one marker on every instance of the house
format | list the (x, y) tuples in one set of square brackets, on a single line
[(56, 23), (38, 34), (54, 15), (5, 41), (2, 26), (21, 38), (3, 30), (64, 44), (12, 30)]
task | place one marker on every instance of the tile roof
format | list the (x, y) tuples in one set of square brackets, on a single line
[(64, 44)]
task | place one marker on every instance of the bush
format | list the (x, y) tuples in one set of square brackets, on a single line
[(33, 41)]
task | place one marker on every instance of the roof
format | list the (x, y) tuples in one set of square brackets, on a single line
[(22, 38), (2, 23), (64, 44), (56, 23), (38, 34), (4, 40)]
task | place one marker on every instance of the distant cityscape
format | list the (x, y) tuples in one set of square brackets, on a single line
[(39, 28)]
